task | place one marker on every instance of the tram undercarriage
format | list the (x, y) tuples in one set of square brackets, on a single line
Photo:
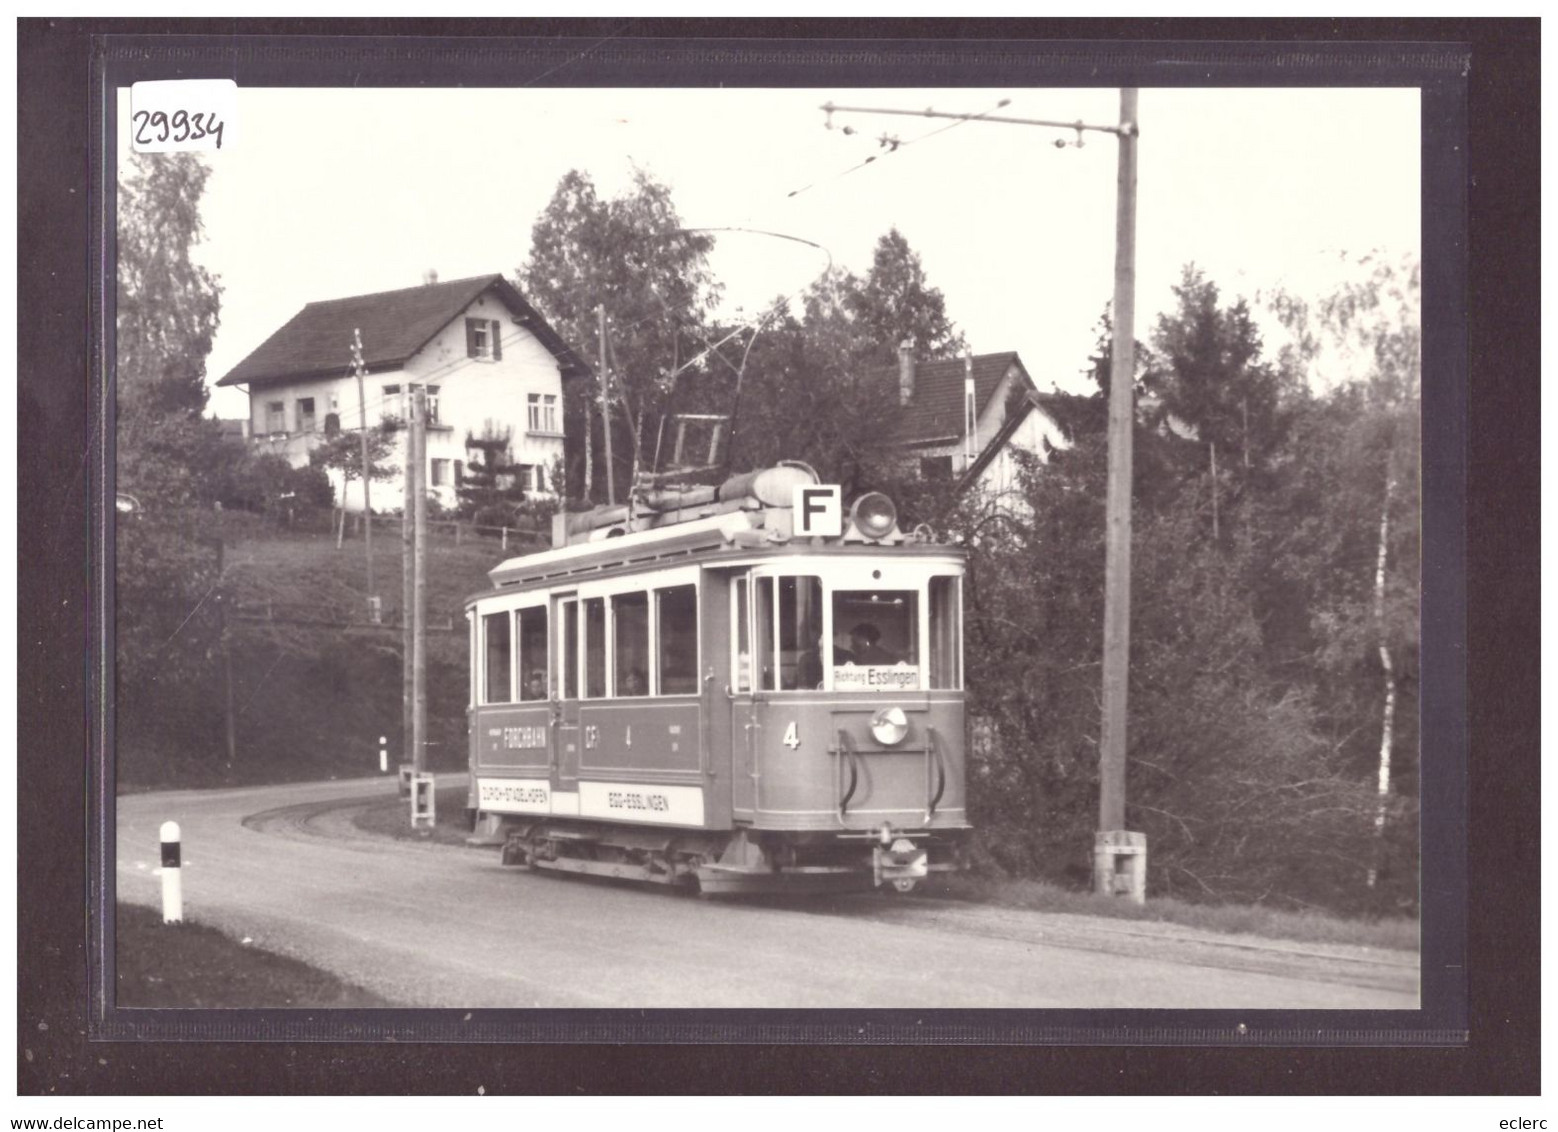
[(730, 864)]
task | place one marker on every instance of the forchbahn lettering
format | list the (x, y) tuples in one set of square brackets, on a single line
[(524, 738)]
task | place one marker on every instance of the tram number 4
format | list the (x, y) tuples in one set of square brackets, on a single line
[(792, 738)]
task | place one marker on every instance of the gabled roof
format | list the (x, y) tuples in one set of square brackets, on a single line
[(316, 342), (934, 413), (1075, 414)]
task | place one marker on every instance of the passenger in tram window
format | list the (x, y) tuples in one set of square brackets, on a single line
[(535, 687), (808, 668), (635, 684), (863, 641)]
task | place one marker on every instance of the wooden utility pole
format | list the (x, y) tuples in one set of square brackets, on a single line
[(605, 408), (1122, 414), (419, 588), (367, 476), (408, 583), (1117, 853)]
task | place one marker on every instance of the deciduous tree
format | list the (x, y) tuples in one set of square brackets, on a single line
[(632, 255), (167, 575)]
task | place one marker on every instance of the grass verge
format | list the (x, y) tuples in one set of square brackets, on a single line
[(188, 965), (1399, 934), (393, 819)]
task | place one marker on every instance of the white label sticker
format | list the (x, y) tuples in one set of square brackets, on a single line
[(183, 115), (817, 510)]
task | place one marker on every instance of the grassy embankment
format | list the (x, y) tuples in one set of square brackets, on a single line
[(187, 965), (311, 700)]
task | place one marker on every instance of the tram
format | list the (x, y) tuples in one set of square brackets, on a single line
[(740, 688)]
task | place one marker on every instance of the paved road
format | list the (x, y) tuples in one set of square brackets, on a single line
[(440, 925)]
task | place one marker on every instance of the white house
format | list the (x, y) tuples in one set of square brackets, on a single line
[(963, 419), (490, 363)]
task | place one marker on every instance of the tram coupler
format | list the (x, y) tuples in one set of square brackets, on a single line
[(901, 864)]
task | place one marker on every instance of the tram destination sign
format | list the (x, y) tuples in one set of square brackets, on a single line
[(875, 677), (817, 510)]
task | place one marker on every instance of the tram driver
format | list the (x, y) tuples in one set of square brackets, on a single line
[(865, 646)]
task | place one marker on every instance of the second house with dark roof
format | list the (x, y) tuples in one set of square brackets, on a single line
[(490, 363), (964, 419)]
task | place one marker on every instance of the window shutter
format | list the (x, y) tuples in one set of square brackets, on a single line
[(497, 341), (470, 337)]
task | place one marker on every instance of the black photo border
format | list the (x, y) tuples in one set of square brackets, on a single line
[(1480, 464)]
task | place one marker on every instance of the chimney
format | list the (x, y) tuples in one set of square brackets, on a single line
[(429, 277), (905, 370), (970, 410)]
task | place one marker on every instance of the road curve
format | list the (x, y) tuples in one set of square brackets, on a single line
[(435, 925)]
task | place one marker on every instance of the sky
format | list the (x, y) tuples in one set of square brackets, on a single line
[(325, 193)]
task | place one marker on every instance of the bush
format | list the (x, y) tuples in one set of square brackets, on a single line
[(266, 482)]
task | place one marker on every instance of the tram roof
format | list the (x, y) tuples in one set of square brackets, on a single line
[(684, 543)]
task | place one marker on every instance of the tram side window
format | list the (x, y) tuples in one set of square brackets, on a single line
[(594, 647), (532, 654), (764, 645), (630, 616), (742, 654), (500, 684), (945, 633), (795, 654), (677, 623), (569, 659)]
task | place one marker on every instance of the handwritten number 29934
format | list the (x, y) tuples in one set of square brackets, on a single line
[(180, 126)]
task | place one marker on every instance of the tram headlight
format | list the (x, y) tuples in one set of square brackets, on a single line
[(874, 515), (890, 726)]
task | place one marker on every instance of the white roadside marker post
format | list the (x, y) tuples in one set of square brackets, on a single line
[(172, 872), (383, 755)]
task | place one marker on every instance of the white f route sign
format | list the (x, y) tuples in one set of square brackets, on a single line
[(818, 510)]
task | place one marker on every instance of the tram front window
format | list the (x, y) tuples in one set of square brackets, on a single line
[(945, 633), (876, 644), (789, 639)]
